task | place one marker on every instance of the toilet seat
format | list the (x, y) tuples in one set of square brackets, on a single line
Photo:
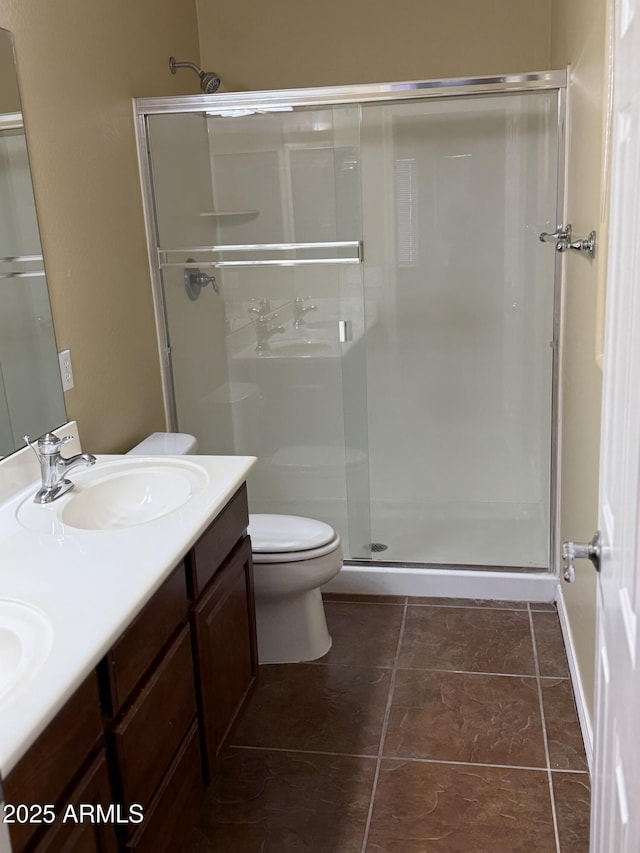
[(296, 556), (289, 538)]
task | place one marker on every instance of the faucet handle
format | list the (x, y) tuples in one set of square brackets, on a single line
[(263, 309), (32, 445), (49, 443)]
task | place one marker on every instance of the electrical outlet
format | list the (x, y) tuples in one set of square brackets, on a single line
[(66, 371)]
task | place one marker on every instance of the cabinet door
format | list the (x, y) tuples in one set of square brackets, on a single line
[(226, 649), (147, 737), (52, 763), (79, 828), (175, 807)]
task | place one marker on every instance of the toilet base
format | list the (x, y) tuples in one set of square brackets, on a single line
[(292, 629)]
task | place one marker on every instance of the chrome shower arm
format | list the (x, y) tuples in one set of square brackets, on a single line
[(174, 65)]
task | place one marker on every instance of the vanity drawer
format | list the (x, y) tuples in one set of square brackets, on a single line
[(133, 654), (49, 767), (216, 543), (175, 807), (147, 737)]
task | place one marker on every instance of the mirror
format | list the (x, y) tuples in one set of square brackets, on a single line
[(31, 397)]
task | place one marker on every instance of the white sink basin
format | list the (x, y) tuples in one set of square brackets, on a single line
[(25, 642), (114, 495), (304, 349)]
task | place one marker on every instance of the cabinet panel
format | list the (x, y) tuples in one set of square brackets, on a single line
[(217, 542), (132, 655), (149, 734), (227, 660), (176, 805), (50, 765), (89, 836)]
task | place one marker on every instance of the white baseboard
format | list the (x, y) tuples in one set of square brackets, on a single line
[(578, 687), (444, 583)]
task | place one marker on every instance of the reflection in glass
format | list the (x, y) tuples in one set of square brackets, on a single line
[(31, 399)]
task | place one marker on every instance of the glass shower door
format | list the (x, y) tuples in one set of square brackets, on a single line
[(460, 297), (259, 246)]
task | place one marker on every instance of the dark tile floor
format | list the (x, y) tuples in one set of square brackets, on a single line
[(432, 725)]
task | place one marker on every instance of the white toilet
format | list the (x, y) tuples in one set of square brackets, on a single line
[(166, 444), (292, 558)]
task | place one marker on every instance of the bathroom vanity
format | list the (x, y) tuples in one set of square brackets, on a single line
[(119, 751)]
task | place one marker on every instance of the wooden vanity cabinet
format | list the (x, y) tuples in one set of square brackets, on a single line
[(220, 573), (146, 728)]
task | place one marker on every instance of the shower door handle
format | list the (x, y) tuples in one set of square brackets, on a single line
[(573, 551), (563, 238), (562, 234), (345, 333)]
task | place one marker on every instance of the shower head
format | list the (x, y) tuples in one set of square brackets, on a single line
[(209, 81)]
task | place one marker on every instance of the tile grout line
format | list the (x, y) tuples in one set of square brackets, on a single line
[(385, 724), (449, 671), (407, 759), (544, 731)]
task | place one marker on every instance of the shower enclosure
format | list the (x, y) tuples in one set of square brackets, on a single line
[(350, 286)]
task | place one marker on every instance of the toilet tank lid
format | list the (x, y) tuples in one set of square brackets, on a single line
[(283, 533), (166, 444)]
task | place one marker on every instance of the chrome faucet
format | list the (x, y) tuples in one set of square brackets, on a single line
[(53, 466), (265, 331), (264, 307), (300, 309)]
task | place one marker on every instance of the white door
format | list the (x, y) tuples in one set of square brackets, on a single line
[(615, 823)]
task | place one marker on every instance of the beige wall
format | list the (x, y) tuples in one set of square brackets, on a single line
[(579, 38), (287, 43), (79, 66), (9, 98)]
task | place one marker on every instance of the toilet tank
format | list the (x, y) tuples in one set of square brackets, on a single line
[(166, 444)]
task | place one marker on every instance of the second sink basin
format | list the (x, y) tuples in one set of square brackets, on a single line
[(25, 642)]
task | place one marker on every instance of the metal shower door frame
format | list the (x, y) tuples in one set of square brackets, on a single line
[(279, 100)]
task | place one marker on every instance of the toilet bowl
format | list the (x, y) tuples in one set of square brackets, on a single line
[(292, 558)]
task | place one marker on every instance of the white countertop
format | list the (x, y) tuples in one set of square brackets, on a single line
[(90, 585)]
